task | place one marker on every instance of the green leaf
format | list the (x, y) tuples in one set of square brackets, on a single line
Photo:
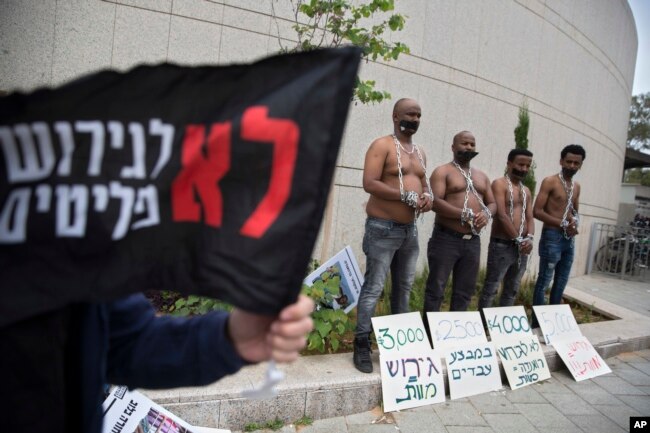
[(323, 328)]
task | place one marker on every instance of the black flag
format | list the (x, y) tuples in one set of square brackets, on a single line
[(205, 180)]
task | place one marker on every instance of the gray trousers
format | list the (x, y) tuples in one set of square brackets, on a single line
[(503, 264), (447, 251)]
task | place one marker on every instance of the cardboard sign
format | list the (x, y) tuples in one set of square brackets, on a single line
[(556, 322), (411, 380), (581, 358), (506, 322), (453, 328), (340, 279), (472, 369), (402, 333), (523, 360)]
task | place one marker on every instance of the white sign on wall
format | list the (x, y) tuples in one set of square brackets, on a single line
[(413, 380), (581, 358), (453, 328), (556, 322), (472, 368), (400, 333), (523, 360), (507, 322)]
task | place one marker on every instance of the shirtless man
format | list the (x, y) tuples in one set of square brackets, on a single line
[(513, 228), (394, 174), (556, 206), (462, 210)]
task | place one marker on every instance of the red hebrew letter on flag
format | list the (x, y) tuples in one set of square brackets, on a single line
[(284, 135)]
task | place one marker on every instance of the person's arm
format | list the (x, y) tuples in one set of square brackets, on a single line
[(425, 203), (439, 186), (499, 192), (164, 352), (540, 204), (481, 219), (373, 169), (527, 247)]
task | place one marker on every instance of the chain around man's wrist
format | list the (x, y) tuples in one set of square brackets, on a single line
[(410, 198)]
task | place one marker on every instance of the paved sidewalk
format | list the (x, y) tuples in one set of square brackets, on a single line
[(560, 404)]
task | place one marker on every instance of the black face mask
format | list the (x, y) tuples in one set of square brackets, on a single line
[(465, 155), (519, 173), (407, 124), (569, 172)]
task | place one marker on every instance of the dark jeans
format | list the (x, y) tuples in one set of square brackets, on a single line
[(447, 252), (388, 246), (503, 264), (555, 260)]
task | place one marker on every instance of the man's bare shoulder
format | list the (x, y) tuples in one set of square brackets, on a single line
[(499, 183), (382, 143), (444, 169)]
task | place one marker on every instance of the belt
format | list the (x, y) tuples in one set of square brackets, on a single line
[(463, 236), (502, 241)]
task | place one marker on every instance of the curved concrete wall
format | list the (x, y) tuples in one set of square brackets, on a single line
[(472, 63)]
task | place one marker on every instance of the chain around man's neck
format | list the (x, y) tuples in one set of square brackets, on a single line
[(467, 215), (569, 204), (416, 149), (511, 207)]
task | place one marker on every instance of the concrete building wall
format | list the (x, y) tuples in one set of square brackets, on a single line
[(472, 64)]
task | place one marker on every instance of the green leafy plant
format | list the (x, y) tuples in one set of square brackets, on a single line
[(330, 326), (332, 23), (276, 424), (193, 305), (304, 420), (521, 142)]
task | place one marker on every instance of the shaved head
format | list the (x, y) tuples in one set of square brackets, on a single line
[(459, 135), (401, 102)]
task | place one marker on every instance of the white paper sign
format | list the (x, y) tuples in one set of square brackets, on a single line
[(523, 360), (472, 369), (411, 380), (341, 280), (581, 358), (556, 322), (453, 328), (129, 411), (400, 333), (507, 322)]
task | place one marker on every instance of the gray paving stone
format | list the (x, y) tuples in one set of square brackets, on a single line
[(372, 428), (509, 423), (464, 429), (329, 425), (570, 404), (631, 357), (646, 389), (632, 375), (593, 394), (617, 386), (640, 403), (527, 394), (544, 416), (563, 376), (620, 414), (493, 402), (459, 413), (643, 367), (596, 424), (552, 385), (645, 353), (363, 417), (417, 421)]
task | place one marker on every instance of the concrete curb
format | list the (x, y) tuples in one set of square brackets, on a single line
[(327, 386)]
